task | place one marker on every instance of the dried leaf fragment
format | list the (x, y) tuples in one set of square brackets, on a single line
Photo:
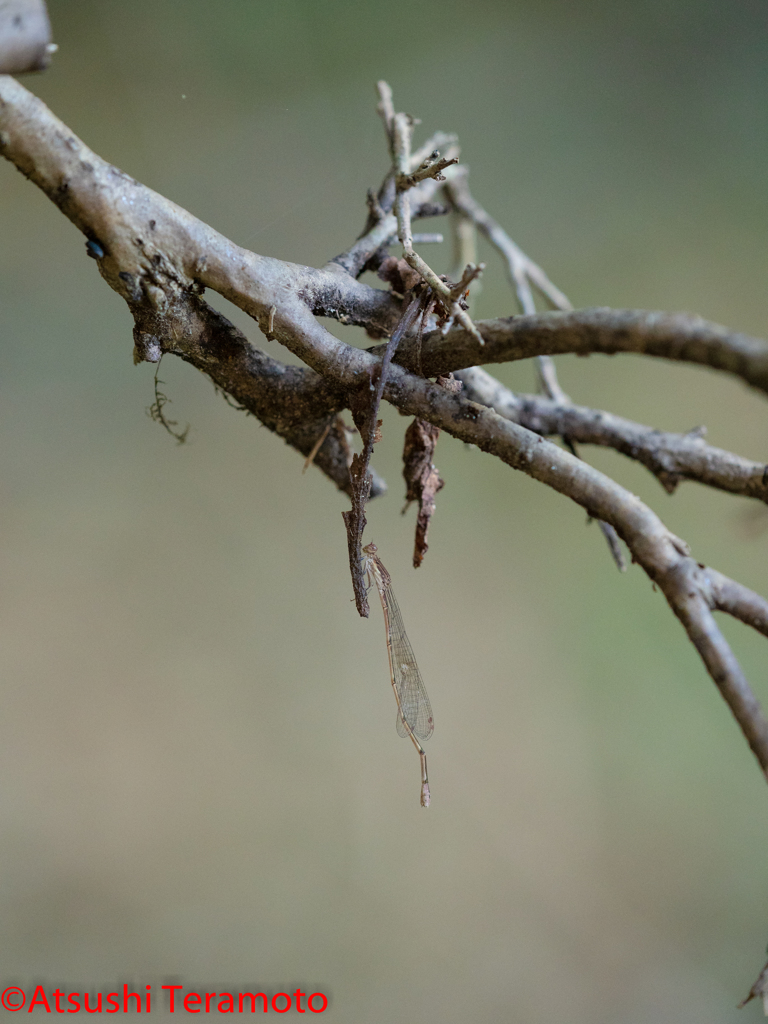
[(398, 274), (421, 478)]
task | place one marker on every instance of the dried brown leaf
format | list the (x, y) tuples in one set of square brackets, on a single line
[(398, 274), (422, 479)]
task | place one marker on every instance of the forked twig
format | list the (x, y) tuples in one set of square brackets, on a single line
[(523, 272), (672, 458), (400, 128)]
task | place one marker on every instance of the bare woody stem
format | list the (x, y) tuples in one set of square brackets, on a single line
[(160, 258), (366, 410), (401, 154), (671, 458), (681, 337), (663, 556), (523, 272)]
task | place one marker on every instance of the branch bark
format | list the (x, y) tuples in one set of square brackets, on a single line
[(295, 403), (25, 37), (670, 457), (681, 337), (159, 258)]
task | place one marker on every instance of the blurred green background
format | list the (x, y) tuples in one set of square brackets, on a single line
[(200, 770)]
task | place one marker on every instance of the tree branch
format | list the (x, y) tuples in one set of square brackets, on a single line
[(681, 337), (739, 601), (670, 457), (292, 401), (25, 37), (685, 587), (662, 555), (366, 410), (523, 273), (159, 257)]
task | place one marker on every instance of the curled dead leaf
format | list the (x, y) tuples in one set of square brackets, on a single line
[(422, 479)]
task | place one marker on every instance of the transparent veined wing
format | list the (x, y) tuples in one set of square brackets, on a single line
[(414, 702)]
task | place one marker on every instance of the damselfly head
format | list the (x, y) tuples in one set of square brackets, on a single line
[(370, 549)]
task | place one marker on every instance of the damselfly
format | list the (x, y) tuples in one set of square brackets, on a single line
[(414, 713)]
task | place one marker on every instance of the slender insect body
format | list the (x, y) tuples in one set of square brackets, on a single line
[(414, 712)]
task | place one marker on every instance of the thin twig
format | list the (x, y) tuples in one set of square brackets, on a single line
[(739, 601), (685, 588), (381, 228), (386, 108), (402, 127), (611, 537), (360, 479), (614, 545), (675, 336), (434, 142), (317, 445), (432, 167), (522, 270), (671, 458)]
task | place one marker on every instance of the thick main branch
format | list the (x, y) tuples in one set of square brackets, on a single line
[(670, 457), (681, 337), (159, 258)]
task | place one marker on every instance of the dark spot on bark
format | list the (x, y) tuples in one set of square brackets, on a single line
[(125, 276), (139, 241), (18, 21), (94, 249), (157, 258), (466, 412), (669, 481), (152, 224), (88, 168)]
